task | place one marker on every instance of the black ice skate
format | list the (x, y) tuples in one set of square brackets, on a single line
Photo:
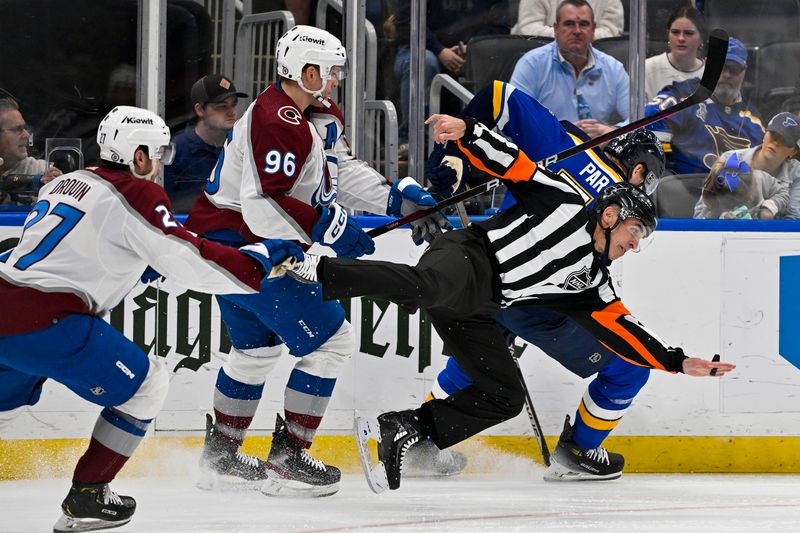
[(395, 433), (293, 472), (425, 459), (223, 465), (89, 507), (306, 271), (570, 462)]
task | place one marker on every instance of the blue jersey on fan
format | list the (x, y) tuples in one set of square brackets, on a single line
[(694, 138), (538, 133)]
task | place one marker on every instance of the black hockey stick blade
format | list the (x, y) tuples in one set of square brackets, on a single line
[(715, 61), (444, 204)]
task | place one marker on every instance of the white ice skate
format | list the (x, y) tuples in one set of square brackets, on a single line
[(366, 429)]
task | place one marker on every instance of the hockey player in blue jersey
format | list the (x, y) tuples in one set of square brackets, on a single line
[(694, 138), (636, 158)]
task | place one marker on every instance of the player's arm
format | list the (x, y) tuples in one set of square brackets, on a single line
[(176, 253), (484, 149), (622, 333)]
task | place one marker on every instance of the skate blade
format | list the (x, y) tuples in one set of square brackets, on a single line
[(289, 488), (216, 482), (376, 475), (68, 524), (559, 473)]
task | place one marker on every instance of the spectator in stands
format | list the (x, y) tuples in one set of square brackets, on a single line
[(20, 174), (537, 17), (450, 25), (733, 190), (686, 31), (694, 138), (775, 188), (575, 81), (197, 147)]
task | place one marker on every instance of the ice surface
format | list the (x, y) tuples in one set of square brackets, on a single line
[(519, 501)]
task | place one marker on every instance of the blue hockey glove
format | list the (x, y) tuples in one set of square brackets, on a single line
[(442, 177), (149, 275), (428, 228), (272, 253), (341, 233), (407, 196)]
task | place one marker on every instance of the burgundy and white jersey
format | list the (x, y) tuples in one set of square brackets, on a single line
[(90, 237), (277, 166), (359, 186)]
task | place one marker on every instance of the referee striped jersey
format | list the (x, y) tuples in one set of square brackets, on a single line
[(545, 252), (543, 244)]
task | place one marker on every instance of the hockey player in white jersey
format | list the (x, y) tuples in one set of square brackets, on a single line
[(286, 172), (85, 244)]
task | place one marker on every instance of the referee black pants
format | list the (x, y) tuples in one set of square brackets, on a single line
[(456, 283)]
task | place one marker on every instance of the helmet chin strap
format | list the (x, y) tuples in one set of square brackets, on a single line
[(316, 94)]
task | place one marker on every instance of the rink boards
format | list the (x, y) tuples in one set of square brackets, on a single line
[(727, 292)]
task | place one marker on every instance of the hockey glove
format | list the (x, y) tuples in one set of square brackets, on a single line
[(341, 233), (443, 177), (407, 196), (272, 253), (428, 228)]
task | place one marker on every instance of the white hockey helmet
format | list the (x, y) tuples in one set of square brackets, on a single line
[(126, 128), (307, 45)]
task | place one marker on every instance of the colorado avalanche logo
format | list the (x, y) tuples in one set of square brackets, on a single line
[(289, 114), (326, 190), (578, 281)]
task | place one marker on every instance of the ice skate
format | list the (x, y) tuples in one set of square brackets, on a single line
[(306, 271), (89, 507), (570, 462), (292, 471), (224, 466), (425, 459), (395, 433)]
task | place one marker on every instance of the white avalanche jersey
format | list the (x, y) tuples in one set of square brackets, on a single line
[(90, 237), (277, 166)]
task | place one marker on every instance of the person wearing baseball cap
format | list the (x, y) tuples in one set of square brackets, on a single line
[(729, 86), (775, 169), (214, 100), (694, 139)]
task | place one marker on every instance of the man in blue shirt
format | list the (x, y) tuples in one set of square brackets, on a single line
[(571, 78), (197, 147), (694, 138)]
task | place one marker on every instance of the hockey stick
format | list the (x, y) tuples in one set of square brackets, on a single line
[(444, 204), (537, 427), (715, 61)]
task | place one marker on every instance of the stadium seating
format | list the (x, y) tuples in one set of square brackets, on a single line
[(776, 75), (616, 47), (493, 57), (755, 23), (677, 195)]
